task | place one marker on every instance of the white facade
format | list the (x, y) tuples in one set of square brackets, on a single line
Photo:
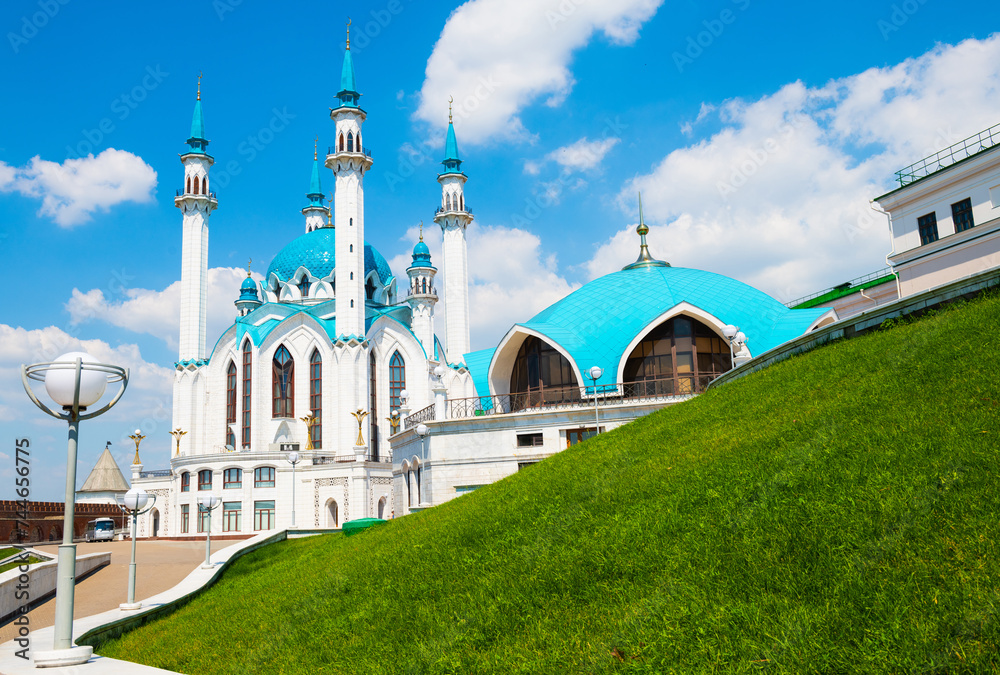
[(947, 252)]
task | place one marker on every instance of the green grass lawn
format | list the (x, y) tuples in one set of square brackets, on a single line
[(8, 551), (11, 565), (835, 513)]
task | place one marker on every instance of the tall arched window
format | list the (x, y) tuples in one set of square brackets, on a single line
[(230, 404), (204, 185), (350, 142), (282, 384), (189, 184), (341, 142), (316, 398), (543, 374), (461, 202), (680, 356), (370, 289), (397, 380), (304, 287), (359, 142), (196, 189), (247, 382), (373, 408)]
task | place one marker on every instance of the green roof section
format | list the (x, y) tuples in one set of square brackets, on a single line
[(843, 290)]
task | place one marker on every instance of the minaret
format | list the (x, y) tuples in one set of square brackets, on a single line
[(349, 161), (422, 296), (317, 213), (196, 203), (454, 219), (248, 300)]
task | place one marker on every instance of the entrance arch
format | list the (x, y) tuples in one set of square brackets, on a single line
[(679, 356), (332, 514), (155, 517)]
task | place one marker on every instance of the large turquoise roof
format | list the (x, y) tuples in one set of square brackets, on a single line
[(597, 322), (315, 251)]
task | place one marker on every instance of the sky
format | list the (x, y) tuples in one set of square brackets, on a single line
[(756, 132)]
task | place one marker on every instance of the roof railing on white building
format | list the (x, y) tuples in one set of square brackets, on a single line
[(942, 159)]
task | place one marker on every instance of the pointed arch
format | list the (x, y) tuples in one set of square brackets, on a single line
[(332, 513), (230, 403), (341, 142), (247, 389), (282, 384), (204, 185), (397, 380), (196, 189), (359, 141), (461, 202), (350, 141), (373, 406), (316, 398), (188, 185)]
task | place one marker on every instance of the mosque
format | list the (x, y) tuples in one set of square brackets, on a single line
[(334, 358)]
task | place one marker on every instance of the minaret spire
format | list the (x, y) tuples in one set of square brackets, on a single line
[(422, 296), (645, 259), (317, 214)]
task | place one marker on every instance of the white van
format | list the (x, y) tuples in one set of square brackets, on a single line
[(102, 529)]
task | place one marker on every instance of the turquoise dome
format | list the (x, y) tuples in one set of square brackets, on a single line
[(421, 255), (315, 251), (248, 285)]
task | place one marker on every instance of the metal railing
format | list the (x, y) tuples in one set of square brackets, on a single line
[(181, 192), (332, 150), (853, 283), (155, 473), (563, 398), (338, 459), (432, 292), (442, 209), (972, 145)]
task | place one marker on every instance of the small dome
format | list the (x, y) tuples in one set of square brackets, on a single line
[(248, 285), (315, 251), (248, 290), (421, 253)]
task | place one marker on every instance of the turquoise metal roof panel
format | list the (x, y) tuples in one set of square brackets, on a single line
[(315, 251), (479, 367)]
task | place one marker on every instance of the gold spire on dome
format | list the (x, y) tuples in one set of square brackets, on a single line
[(249, 261), (315, 148), (451, 99), (421, 230), (644, 259), (329, 213), (200, 75), (348, 33)]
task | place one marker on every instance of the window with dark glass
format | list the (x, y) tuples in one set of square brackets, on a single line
[(543, 373), (574, 436), (350, 142), (247, 382), (283, 384), (263, 476), (185, 518), (680, 356), (529, 440), (231, 516), (316, 398), (263, 515), (185, 482), (397, 380), (232, 478), (373, 407), (230, 403), (928, 228), (304, 287), (370, 289), (205, 479), (204, 519), (961, 213)]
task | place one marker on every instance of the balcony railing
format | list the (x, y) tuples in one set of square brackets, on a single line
[(442, 209), (564, 398), (332, 150), (156, 473), (430, 291), (972, 145), (181, 192), (852, 284), (339, 459)]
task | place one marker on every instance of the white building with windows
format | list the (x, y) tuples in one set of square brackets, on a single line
[(945, 216), (331, 356)]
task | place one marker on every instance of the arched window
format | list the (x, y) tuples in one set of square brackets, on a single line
[(359, 142), (316, 398), (263, 476), (352, 276), (373, 407), (247, 382), (543, 375), (185, 482), (205, 479), (196, 185), (341, 142), (418, 483), (351, 248), (304, 287), (409, 488), (230, 403), (370, 289), (397, 380), (461, 202), (680, 356), (282, 384), (424, 286), (447, 202), (204, 185), (350, 142), (189, 184)]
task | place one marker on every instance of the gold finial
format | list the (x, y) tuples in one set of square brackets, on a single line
[(137, 437), (421, 230), (360, 416), (177, 433), (451, 99), (348, 33), (200, 75), (642, 229), (310, 421), (315, 148), (645, 259), (329, 213), (249, 261)]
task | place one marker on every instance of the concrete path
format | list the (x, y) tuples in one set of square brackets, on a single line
[(160, 565)]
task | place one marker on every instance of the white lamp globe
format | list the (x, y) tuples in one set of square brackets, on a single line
[(422, 430), (740, 337), (596, 372), (136, 499), (293, 457), (730, 331), (439, 370), (60, 383), (394, 414), (404, 396), (209, 501)]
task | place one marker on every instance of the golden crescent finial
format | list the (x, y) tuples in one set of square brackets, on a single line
[(200, 75), (451, 99), (249, 261), (421, 230), (348, 33), (315, 148)]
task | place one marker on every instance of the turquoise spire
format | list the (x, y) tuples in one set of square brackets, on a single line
[(315, 193), (452, 162), (198, 142), (348, 93)]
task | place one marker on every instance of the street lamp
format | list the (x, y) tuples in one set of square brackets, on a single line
[(595, 374), (74, 381), (393, 420), (137, 437), (422, 431), (134, 503), (735, 337), (293, 459), (205, 505), (176, 433), (404, 403)]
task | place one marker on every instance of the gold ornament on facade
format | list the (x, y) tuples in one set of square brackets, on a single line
[(176, 433), (360, 416)]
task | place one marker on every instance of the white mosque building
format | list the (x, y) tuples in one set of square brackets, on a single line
[(333, 357)]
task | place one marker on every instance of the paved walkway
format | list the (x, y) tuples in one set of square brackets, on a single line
[(160, 565)]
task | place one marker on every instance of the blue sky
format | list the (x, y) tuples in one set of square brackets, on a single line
[(756, 131)]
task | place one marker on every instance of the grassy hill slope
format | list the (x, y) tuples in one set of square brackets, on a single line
[(837, 512)]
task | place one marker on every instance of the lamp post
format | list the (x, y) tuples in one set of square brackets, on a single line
[(176, 433), (74, 381), (137, 437), (735, 337), (293, 459), (422, 431), (404, 403), (207, 504), (595, 374), (393, 420), (134, 503)]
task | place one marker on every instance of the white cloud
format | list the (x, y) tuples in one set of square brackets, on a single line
[(582, 155), (779, 197), (496, 57), (510, 281), (72, 191), (158, 312)]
